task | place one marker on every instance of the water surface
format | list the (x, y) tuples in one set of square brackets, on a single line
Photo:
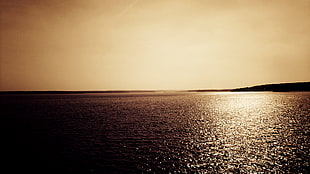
[(157, 132)]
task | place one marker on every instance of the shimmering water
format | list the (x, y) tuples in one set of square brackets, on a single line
[(157, 133)]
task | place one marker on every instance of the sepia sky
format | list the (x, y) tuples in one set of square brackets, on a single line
[(152, 44)]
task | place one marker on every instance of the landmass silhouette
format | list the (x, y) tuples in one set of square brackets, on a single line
[(281, 87)]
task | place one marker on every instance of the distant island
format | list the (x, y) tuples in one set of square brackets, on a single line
[(281, 87)]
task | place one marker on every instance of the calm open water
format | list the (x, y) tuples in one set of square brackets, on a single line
[(156, 133)]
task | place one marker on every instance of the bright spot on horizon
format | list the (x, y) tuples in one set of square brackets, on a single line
[(146, 44)]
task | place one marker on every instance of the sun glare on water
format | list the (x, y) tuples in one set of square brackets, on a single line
[(246, 132)]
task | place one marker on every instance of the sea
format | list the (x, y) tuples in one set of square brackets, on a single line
[(156, 132)]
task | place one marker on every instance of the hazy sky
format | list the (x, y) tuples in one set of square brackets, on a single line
[(152, 44)]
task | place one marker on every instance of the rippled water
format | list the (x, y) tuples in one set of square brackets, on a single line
[(161, 133)]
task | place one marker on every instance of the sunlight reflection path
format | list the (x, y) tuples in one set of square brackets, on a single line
[(245, 136)]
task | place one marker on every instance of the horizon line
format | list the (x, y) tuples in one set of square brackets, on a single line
[(145, 90)]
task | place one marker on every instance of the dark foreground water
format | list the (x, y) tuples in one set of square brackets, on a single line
[(156, 133)]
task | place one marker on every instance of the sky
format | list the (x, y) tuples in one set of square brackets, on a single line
[(152, 44)]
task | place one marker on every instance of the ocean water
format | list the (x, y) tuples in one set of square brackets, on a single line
[(156, 133)]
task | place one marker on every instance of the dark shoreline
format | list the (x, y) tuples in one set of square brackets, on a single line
[(281, 87)]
